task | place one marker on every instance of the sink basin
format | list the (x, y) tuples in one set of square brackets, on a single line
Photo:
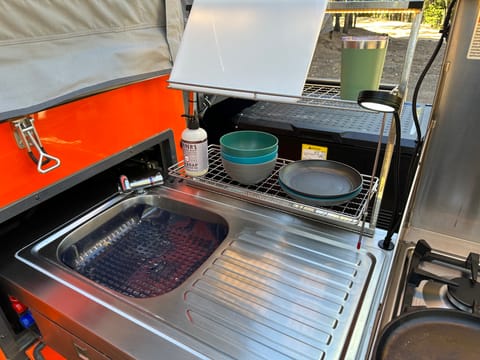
[(143, 247)]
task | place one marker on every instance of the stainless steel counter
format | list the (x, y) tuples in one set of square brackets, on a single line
[(279, 286)]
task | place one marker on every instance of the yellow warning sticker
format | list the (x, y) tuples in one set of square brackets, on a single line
[(314, 152)]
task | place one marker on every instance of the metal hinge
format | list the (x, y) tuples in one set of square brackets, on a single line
[(27, 137)]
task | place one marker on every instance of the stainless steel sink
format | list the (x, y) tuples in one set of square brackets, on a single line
[(144, 246), (265, 284)]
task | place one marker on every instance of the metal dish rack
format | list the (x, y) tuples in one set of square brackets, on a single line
[(354, 213), (268, 192), (326, 96)]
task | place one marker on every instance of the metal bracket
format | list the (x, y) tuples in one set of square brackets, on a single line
[(27, 137)]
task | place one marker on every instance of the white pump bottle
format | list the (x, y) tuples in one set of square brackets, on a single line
[(195, 148)]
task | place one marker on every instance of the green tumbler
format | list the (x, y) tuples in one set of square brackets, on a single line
[(362, 63)]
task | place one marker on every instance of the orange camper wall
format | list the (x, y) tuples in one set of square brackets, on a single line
[(86, 131)]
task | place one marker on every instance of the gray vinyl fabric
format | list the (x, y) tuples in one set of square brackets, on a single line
[(54, 51)]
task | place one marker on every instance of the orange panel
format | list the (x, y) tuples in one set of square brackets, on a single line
[(86, 131), (47, 352)]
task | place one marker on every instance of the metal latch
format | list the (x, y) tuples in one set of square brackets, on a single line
[(27, 137)]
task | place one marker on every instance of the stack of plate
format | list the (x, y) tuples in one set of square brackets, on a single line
[(320, 182)]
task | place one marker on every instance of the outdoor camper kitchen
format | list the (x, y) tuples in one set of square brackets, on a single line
[(177, 186)]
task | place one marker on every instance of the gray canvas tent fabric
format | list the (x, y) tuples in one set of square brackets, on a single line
[(53, 51)]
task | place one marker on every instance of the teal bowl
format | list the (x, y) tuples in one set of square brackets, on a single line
[(248, 174), (248, 143), (250, 160)]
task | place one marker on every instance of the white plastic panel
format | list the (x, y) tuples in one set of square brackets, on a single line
[(248, 48)]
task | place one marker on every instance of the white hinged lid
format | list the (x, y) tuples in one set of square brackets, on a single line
[(257, 49)]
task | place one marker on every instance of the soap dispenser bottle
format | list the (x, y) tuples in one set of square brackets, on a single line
[(195, 148)]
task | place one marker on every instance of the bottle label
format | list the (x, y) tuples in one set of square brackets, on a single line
[(195, 154)]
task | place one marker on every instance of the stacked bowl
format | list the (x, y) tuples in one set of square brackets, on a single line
[(248, 156)]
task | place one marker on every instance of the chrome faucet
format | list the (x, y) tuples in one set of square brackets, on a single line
[(141, 184)]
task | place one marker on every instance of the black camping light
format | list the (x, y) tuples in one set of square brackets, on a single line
[(386, 102)]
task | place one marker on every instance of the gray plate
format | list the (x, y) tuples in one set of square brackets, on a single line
[(323, 179), (309, 200)]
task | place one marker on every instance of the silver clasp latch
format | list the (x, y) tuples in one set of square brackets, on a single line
[(27, 137)]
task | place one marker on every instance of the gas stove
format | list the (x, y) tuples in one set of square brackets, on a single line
[(438, 280), (426, 275), (432, 304)]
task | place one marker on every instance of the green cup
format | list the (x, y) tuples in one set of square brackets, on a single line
[(362, 63)]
